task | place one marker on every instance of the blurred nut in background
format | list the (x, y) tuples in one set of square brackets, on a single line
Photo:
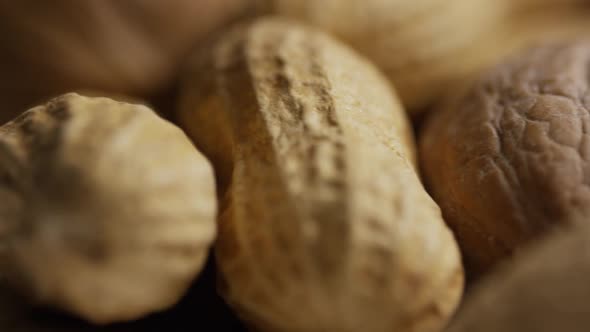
[(415, 43), (428, 47), (122, 47), (545, 289), (136, 47)]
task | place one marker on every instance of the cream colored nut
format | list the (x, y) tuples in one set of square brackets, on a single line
[(508, 159), (428, 47), (419, 45), (107, 210), (544, 290), (324, 224)]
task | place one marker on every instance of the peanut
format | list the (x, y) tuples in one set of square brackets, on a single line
[(108, 211), (324, 224)]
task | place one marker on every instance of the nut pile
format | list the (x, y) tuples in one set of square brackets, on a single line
[(288, 184)]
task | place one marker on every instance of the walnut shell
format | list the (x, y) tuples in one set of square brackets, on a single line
[(324, 224), (508, 159), (108, 210)]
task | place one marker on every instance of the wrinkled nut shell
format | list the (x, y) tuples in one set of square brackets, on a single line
[(324, 224), (509, 159), (108, 210), (545, 289)]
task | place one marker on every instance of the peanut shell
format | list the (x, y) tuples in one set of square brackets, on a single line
[(324, 225), (107, 210)]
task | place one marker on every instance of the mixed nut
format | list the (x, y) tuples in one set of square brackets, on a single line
[(291, 155)]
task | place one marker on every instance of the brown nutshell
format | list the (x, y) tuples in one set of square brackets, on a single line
[(508, 159), (544, 289)]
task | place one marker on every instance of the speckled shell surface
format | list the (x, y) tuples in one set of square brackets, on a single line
[(324, 224)]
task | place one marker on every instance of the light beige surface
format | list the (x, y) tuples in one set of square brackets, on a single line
[(324, 224), (108, 210), (427, 47)]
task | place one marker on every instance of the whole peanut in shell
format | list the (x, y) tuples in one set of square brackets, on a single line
[(107, 212), (508, 158), (324, 224)]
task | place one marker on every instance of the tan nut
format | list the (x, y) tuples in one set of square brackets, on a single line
[(324, 224), (107, 210), (545, 289), (427, 47), (132, 48), (416, 43), (508, 159)]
